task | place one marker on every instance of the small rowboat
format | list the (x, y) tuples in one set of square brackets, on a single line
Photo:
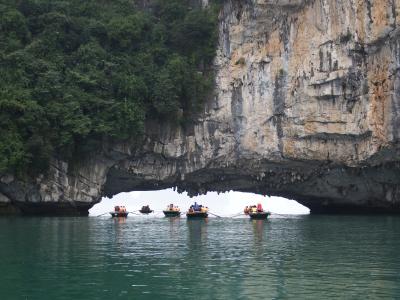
[(171, 213), (259, 215), (146, 210), (196, 215), (119, 214)]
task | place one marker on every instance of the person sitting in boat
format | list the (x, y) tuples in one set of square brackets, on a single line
[(254, 209), (146, 209), (259, 208), (196, 207), (246, 210), (116, 208)]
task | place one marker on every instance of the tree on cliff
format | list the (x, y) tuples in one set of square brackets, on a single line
[(75, 72)]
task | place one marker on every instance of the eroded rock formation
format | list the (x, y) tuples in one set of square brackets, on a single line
[(306, 106)]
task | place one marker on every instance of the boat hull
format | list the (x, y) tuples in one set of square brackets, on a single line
[(145, 212), (197, 215), (119, 214), (259, 215), (171, 214)]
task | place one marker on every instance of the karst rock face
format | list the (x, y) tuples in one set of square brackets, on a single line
[(306, 106)]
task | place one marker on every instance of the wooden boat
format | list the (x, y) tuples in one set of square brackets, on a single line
[(119, 214), (172, 213), (196, 215), (197, 212), (146, 210), (259, 215), (256, 212)]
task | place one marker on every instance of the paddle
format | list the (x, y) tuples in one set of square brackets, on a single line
[(237, 215), (133, 213), (102, 214), (214, 215)]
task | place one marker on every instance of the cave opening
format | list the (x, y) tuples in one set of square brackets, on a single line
[(222, 204)]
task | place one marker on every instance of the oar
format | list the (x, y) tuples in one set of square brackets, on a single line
[(102, 214), (237, 215), (214, 215), (131, 212)]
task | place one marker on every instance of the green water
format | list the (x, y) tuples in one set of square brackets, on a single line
[(312, 257)]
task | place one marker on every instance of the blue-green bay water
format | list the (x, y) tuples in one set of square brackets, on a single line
[(304, 257)]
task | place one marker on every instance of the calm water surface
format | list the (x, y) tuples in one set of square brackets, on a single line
[(313, 257)]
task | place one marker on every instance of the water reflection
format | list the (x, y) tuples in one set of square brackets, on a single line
[(174, 225), (120, 220), (258, 229), (197, 233)]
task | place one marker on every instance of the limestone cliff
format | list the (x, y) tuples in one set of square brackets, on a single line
[(306, 106)]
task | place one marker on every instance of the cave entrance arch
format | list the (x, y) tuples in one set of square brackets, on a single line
[(223, 204)]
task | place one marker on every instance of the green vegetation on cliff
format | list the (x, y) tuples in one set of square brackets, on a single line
[(73, 73)]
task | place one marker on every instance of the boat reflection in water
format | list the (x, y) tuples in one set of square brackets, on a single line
[(197, 248), (119, 220), (174, 226), (197, 233), (258, 229)]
